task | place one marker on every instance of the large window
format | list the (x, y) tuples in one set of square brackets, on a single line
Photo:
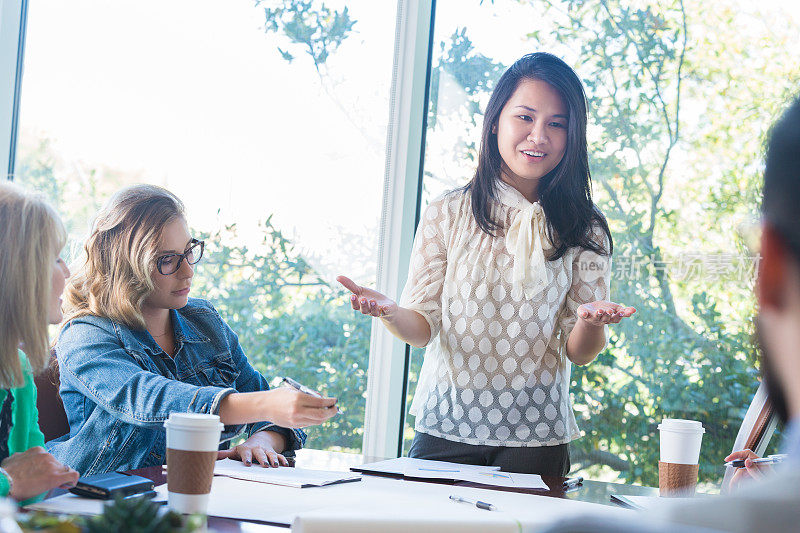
[(261, 116), (679, 107)]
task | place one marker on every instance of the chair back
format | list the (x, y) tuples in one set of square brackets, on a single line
[(52, 416)]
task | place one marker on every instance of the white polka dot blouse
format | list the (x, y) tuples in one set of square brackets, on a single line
[(495, 371)]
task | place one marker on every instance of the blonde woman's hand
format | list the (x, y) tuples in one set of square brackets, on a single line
[(370, 302), (295, 409), (283, 406), (261, 448), (601, 313), (35, 471)]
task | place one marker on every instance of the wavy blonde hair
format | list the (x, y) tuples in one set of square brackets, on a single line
[(120, 255), (31, 237)]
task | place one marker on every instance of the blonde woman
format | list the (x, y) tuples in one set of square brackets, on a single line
[(134, 347), (32, 278)]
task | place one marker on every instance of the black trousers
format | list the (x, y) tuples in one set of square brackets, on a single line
[(542, 460)]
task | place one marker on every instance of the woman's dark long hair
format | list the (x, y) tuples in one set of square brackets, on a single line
[(565, 192)]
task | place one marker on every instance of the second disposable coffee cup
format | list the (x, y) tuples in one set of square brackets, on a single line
[(192, 444), (680, 442)]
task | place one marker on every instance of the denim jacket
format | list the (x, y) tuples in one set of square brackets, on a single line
[(119, 386)]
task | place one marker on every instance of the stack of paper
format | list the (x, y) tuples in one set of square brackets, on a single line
[(425, 469), (289, 477), (406, 466)]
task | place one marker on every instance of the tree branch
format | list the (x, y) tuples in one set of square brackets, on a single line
[(599, 457)]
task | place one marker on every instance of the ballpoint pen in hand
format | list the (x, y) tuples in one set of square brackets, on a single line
[(770, 459), (302, 388), (477, 503), (572, 482)]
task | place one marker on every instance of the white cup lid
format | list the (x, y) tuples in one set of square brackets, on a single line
[(193, 420), (678, 424)]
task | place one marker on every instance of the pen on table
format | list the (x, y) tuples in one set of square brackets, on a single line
[(302, 388), (477, 503), (772, 459), (572, 482)]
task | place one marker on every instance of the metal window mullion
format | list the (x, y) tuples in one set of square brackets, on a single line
[(386, 378), (13, 14)]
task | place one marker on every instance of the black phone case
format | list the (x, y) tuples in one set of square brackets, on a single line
[(107, 486)]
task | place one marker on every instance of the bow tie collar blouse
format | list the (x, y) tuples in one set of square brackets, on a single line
[(495, 370)]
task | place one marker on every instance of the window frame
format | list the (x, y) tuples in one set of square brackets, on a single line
[(387, 374), (13, 21)]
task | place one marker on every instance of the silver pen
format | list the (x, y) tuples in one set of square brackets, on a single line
[(302, 388), (770, 459), (477, 503), (572, 482)]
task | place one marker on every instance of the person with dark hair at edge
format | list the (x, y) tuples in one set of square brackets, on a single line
[(508, 283), (761, 498)]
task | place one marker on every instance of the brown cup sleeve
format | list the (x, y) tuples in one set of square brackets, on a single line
[(190, 472), (677, 479)]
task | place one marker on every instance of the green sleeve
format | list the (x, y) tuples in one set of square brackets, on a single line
[(25, 432), (28, 414), (4, 485), (35, 435)]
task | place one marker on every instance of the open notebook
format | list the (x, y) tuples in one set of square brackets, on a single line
[(286, 476)]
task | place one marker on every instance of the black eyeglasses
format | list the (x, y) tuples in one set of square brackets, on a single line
[(170, 263)]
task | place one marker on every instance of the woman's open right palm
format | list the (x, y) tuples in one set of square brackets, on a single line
[(368, 301)]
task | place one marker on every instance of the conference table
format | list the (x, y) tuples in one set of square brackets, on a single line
[(590, 491)]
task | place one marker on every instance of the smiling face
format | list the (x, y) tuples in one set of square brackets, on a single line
[(531, 134), (172, 291)]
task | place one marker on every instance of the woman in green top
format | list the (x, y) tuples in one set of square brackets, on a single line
[(32, 278)]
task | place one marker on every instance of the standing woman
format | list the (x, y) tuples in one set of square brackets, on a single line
[(134, 347), (32, 278), (508, 284)]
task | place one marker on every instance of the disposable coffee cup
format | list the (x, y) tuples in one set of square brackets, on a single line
[(192, 444), (680, 442)]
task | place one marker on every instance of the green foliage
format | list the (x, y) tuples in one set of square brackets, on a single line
[(75, 192), (41, 521), (290, 323), (688, 352), (317, 29), (135, 515), (475, 73)]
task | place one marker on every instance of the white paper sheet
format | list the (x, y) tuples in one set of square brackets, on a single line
[(421, 468), (290, 477), (68, 504), (251, 500), (73, 504), (648, 503), (486, 475), (505, 479), (375, 496)]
